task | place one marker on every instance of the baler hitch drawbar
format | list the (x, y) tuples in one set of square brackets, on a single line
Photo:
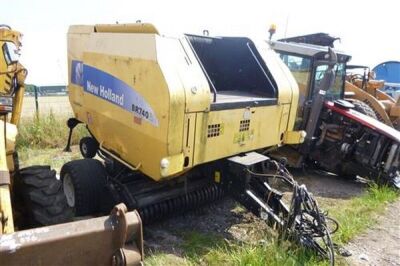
[(300, 220), (252, 179)]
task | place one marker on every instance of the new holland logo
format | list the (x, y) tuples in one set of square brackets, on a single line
[(113, 90)]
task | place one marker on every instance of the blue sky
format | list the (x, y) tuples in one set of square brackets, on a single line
[(368, 30)]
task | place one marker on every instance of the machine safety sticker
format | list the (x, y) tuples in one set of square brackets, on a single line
[(112, 89)]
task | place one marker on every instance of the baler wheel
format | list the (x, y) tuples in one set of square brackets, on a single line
[(88, 147), (43, 197), (83, 182)]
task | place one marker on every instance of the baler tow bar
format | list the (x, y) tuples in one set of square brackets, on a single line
[(299, 220)]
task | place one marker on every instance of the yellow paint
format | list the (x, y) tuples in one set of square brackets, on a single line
[(9, 75), (242, 137), (217, 177), (264, 131), (127, 28), (294, 137), (386, 108), (5, 198), (17, 105), (175, 164), (9, 72), (375, 104), (188, 137), (6, 210), (166, 74)]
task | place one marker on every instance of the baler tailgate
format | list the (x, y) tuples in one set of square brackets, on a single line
[(97, 241)]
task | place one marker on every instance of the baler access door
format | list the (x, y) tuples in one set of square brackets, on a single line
[(237, 75)]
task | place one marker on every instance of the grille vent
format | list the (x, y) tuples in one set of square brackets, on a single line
[(244, 125), (214, 130)]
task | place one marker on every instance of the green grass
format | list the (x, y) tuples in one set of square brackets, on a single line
[(354, 215), (41, 141), (196, 245), (208, 249), (55, 157), (161, 259), (47, 131), (262, 254), (360, 213)]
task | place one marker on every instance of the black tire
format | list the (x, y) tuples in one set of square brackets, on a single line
[(364, 108), (42, 195), (88, 147), (88, 178)]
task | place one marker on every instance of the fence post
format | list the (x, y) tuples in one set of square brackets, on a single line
[(36, 102)]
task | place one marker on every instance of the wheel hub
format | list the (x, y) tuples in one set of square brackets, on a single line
[(69, 190), (84, 149)]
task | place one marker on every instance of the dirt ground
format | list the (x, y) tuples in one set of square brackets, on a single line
[(228, 220)]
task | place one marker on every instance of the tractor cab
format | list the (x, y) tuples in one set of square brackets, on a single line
[(308, 65), (342, 138)]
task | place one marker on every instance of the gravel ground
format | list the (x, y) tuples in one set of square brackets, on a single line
[(379, 245)]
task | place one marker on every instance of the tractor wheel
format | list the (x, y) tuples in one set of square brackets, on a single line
[(83, 182), (364, 108), (42, 195), (88, 147)]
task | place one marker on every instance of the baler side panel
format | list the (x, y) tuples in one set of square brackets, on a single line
[(136, 140), (170, 60), (288, 88), (221, 134), (197, 90), (78, 38)]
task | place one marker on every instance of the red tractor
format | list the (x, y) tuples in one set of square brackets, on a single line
[(341, 137)]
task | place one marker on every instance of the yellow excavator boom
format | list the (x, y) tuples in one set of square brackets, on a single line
[(385, 107), (115, 239)]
